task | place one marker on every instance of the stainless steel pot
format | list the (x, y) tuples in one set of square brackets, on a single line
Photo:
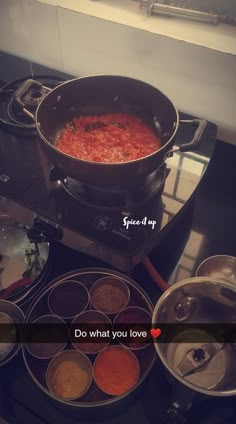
[(197, 346), (95, 95), (218, 266)]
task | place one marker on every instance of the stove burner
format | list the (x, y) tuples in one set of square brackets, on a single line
[(18, 117), (113, 198), (11, 116)]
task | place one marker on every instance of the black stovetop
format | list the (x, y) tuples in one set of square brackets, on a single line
[(25, 186)]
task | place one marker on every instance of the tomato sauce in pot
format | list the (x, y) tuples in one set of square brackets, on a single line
[(108, 138)]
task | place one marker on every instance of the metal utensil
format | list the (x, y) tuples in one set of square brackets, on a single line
[(178, 12)]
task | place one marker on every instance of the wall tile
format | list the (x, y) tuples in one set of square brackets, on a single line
[(29, 29), (91, 45), (38, 69), (200, 81), (13, 67)]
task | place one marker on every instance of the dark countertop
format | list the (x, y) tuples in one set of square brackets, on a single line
[(214, 220), (212, 232)]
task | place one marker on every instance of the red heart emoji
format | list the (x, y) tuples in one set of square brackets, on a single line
[(155, 332)]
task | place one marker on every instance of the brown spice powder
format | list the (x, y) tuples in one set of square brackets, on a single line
[(109, 298)]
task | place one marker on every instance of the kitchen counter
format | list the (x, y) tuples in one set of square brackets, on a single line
[(127, 12), (212, 231), (208, 228)]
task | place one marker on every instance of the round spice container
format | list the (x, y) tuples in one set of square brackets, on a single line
[(69, 375), (98, 328), (109, 295), (116, 370), (135, 323), (68, 299), (12, 322), (7, 335), (46, 336)]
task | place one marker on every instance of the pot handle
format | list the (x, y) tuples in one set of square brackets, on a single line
[(37, 92), (201, 125)]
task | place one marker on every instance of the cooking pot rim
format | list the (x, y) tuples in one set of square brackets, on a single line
[(184, 283), (107, 164)]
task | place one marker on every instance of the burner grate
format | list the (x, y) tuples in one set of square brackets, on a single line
[(116, 198), (13, 118)]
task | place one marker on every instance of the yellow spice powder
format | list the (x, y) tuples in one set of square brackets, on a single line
[(69, 380)]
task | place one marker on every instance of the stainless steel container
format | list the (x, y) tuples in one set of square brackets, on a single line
[(23, 265), (198, 321), (11, 324), (94, 398), (218, 266)]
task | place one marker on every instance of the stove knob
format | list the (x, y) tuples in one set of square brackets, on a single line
[(42, 231)]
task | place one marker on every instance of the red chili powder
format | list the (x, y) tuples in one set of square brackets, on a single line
[(116, 370)]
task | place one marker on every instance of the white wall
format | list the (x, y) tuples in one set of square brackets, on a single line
[(198, 80)]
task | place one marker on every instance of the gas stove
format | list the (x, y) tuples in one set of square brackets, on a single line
[(118, 226)]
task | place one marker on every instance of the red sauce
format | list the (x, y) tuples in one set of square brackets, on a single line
[(110, 138)]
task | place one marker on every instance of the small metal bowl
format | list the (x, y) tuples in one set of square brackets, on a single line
[(10, 336), (91, 321), (108, 370), (136, 319), (220, 266), (46, 336), (109, 295), (68, 299), (63, 383)]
